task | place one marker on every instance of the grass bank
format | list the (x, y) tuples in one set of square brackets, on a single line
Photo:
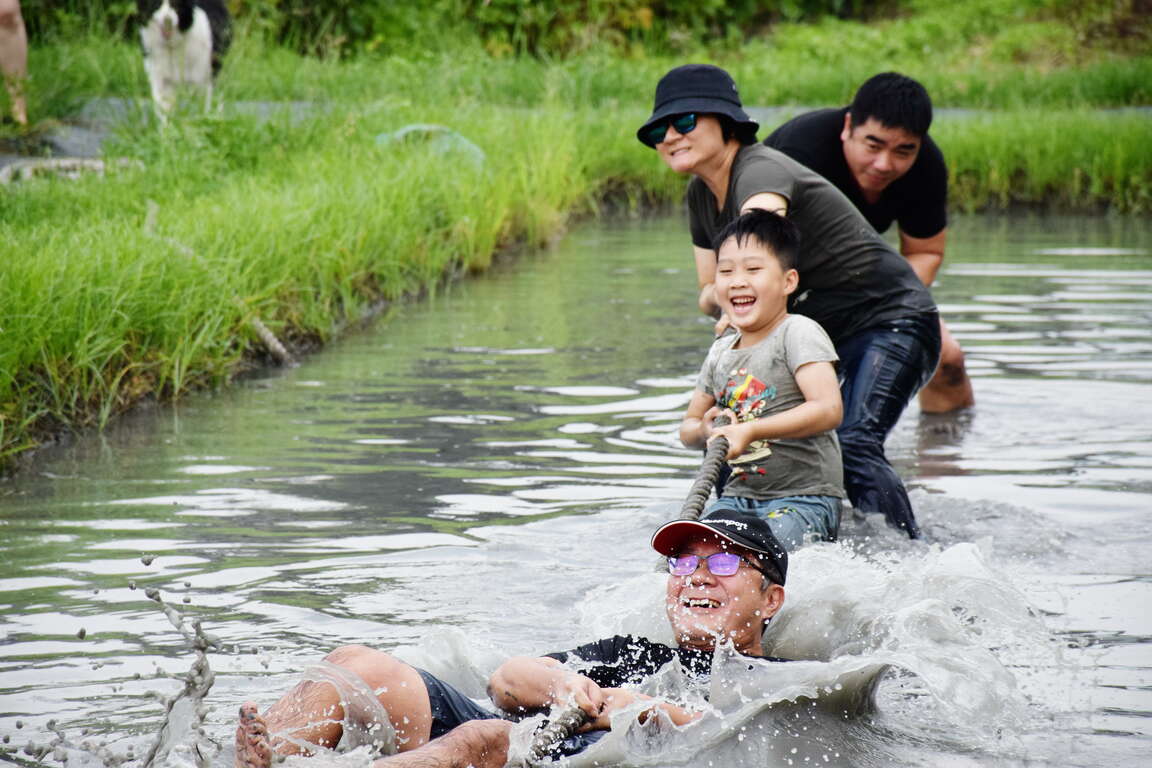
[(146, 282)]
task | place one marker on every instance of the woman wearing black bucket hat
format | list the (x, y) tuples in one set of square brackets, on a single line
[(879, 315), (700, 89)]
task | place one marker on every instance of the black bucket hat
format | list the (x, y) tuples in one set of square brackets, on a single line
[(748, 531), (703, 89)]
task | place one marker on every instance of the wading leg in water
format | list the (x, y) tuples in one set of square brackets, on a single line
[(950, 388), (312, 713), (479, 743)]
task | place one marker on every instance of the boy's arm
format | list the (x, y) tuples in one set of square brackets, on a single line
[(696, 427), (821, 410)]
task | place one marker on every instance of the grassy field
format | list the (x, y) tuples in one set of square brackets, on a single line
[(145, 282)]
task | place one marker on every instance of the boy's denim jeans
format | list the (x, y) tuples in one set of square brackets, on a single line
[(793, 519)]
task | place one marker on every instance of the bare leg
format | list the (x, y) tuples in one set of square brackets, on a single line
[(950, 388), (479, 743), (312, 712), (14, 57)]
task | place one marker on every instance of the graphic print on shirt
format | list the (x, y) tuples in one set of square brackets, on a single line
[(748, 397)]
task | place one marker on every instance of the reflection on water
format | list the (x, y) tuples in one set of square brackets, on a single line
[(473, 477)]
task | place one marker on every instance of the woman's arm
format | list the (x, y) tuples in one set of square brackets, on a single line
[(769, 201), (706, 279)]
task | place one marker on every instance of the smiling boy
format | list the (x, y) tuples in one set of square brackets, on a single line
[(774, 379)]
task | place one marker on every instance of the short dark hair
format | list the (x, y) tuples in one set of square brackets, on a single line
[(776, 233), (894, 100), (730, 130)]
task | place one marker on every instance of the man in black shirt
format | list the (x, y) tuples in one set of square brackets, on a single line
[(726, 576), (879, 154)]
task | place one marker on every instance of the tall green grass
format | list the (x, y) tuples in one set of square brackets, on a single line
[(303, 224), (1065, 160)]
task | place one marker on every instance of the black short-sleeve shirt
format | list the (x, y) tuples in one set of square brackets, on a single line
[(917, 201), (629, 660)]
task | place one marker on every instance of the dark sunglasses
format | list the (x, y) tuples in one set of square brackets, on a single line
[(719, 564), (682, 124)]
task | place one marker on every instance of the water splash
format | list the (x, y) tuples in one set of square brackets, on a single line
[(926, 634), (180, 741), (182, 731)]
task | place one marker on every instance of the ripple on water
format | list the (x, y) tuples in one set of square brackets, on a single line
[(1034, 506)]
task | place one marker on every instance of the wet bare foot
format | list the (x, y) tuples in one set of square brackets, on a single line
[(253, 747)]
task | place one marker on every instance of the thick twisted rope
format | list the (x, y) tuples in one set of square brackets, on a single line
[(706, 477), (565, 723)]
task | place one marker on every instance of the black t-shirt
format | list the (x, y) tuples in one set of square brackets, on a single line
[(851, 279), (625, 659), (917, 201)]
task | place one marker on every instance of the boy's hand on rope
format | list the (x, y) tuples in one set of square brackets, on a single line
[(722, 423)]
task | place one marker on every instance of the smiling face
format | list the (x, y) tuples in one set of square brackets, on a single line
[(876, 154), (703, 608), (695, 151), (752, 287)]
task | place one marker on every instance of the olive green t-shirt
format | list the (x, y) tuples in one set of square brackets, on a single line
[(850, 278)]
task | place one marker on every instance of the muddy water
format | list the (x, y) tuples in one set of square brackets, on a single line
[(478, 474)]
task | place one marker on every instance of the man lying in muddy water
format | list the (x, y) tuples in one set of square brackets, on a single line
[(725, 582)]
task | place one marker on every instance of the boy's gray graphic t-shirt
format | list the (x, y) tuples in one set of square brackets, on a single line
[(760, 381)]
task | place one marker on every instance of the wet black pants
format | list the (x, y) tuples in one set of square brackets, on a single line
[(880, 370)]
